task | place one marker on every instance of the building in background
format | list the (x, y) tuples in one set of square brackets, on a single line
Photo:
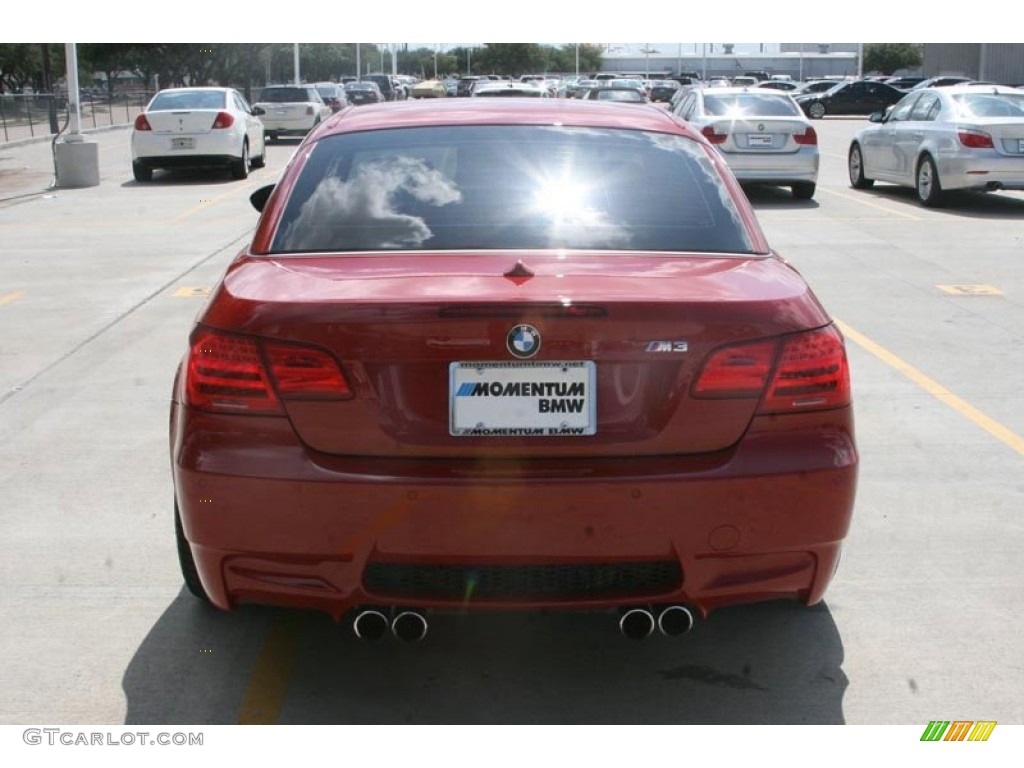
[(997, 62)]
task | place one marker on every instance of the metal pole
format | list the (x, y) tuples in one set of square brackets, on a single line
[(647, 61), (801, 62), (679, 59), (704, 53), (394, 57), (577, 59), (358, 75), (435, 60), (296, 58), (469, 60), (75, 108), (860, 60)]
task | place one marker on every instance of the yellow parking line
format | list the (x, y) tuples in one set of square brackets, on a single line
[(213, 201), (870, 204), (11, 297), (268, 683), (961, 406)]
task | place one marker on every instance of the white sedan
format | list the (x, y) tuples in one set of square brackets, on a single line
[(198, 127), (762, 134), (291, 110), (941, 139)]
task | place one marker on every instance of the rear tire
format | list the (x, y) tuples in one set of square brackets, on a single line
[(855, 165), (141, 172), (927, 184), (261, 161), (240, 167), (186, 561), (803, 190)]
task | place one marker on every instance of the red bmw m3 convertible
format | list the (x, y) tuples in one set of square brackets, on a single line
[(510, 355)]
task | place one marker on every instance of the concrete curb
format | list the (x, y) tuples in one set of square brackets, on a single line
[(41, 139)]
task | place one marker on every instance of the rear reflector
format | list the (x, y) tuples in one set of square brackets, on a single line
[(229, 373), (974, 139), (142, 124), (715, 138), (802, 372), (810, 136), (224, 120)]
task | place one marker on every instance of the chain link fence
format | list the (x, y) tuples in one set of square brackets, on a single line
[(26, 116)]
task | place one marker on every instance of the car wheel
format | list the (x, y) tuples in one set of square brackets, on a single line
[(240, 167), (261, 161), (928, 186), (855, 164), (816, 110), (803, 190), (142, 172), (186, 561)]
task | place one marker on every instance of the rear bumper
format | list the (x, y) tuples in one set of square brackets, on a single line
[(270, 521), (986, 169), (774, 168)]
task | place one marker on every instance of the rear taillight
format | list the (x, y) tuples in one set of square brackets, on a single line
[(810, 136), (740, 370), (306, 373), (224, 120), (309, 110), (715, 138), (812, 373), (230, 373), (802, 372), (974, 139), (226, 373), (142, 124)]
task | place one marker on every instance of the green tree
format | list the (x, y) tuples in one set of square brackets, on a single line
[(889, 57), (509, 58)]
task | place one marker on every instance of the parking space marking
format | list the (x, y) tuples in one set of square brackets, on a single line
[(9, 298), (190, 292), (961, 406), (268, 683), (970, 290), (870, 204), (213, 201)]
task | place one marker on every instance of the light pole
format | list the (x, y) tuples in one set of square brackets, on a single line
[(577, 59), (296, 57), (358, 75)]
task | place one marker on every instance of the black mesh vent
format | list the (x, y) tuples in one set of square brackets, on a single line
[(523, 582)]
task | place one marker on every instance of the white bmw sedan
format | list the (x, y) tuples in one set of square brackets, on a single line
[(940, 139), (198, 127), (762, 134)]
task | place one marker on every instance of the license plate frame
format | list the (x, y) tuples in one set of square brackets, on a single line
[(183, 142), (759, 140), (522, 398)]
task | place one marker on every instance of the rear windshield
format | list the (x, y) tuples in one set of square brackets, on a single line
[(187, 100), (509, 187), (279, 95), (515, 92), (990, 104), (750, 105), (607, 94)]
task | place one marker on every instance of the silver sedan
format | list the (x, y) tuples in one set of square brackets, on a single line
[(763, 135), (941, 139)]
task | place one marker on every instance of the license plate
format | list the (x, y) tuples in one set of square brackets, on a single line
[(187, 143), (759, 140), (522, 399)]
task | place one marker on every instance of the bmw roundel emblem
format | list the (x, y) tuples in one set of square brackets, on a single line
[(523, 341)]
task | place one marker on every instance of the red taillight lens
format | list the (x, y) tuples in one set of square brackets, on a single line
[(812, 373), (974, 139), (224, 120), (142, 124), (737, 371), (309, 110), (807, 372), (810, 136), (226, 373), (709, 133), (305, 373)]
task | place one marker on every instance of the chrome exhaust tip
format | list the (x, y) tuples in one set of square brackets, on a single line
[(409, 626), (637, 623), (675, 620), (370, 624)]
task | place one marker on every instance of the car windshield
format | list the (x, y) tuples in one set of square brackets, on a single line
[(174, 100), (560, 187), (990, 104), (278, 95), (520, 93), (750, 105)]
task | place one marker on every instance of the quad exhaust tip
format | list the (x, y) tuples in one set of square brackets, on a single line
[(370, 624), (675, 620), (671, 621), (409, 626), (637, 623)]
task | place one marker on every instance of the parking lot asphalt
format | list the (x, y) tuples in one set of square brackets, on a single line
[(98, 288)]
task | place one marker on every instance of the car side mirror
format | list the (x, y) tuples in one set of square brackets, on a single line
[(260, 196), (257, 111), (877, 117)]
